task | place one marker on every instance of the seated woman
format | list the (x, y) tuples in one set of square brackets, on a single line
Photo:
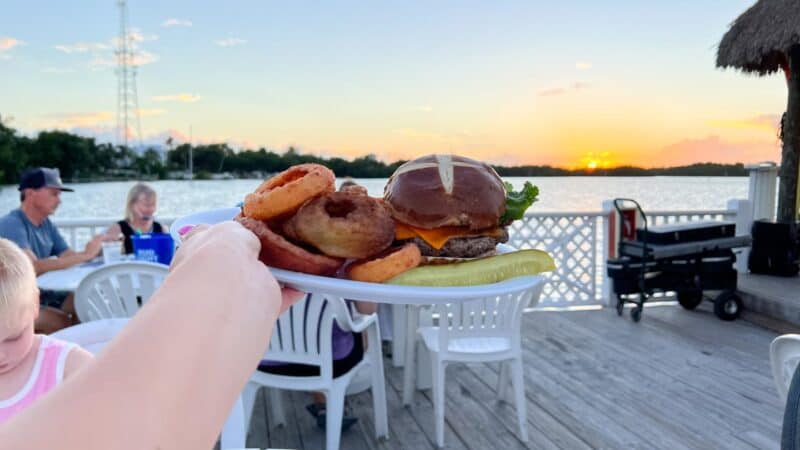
[(139, 211)]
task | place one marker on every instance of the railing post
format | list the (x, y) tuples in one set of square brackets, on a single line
[(744, 222), (610, 237), (763, 181)]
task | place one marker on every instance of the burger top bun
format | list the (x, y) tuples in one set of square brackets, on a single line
[(446, 190)]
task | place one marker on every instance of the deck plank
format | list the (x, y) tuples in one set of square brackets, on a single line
[(645, 401), (687, 374), (678, 379)]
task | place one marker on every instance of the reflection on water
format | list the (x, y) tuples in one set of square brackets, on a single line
[(177, 198)]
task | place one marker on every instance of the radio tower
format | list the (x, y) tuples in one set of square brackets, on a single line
[(127, 99)]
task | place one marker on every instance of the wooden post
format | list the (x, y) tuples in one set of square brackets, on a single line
[(744, 222), (787, 196), (609, 239)]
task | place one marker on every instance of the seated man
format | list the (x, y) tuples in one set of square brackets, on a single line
[(30, 228)]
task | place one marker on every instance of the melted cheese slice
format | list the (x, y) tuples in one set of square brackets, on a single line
[(437, 237)]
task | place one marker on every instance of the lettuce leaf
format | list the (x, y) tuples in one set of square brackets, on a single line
[(518, 202)]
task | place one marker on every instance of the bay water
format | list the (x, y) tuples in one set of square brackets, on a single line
[(556, 194)]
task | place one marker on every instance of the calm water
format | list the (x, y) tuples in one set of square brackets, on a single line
[(177, 198)]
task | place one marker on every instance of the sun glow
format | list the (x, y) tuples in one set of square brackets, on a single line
[(595, 160)]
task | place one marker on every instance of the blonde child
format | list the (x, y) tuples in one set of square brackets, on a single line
[(30, 364)]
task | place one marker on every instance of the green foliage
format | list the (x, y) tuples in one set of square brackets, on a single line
[(82, 159)]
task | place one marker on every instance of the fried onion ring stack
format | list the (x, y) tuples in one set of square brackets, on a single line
[(306, 227)]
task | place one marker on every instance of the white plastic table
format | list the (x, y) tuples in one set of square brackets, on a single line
[(67, 279)]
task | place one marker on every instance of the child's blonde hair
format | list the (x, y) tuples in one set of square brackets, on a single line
[(17, 281), (137, 191)]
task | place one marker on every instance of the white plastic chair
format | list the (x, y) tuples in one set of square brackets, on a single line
[(117, 290), (303, 335), (784, 355), (481, 330)]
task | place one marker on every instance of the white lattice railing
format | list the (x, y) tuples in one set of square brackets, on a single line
[(77, 232), (576, 240)]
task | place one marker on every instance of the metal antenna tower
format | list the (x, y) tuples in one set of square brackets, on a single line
[(127, 98)]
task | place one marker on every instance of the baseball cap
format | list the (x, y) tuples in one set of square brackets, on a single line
[(42, 177)]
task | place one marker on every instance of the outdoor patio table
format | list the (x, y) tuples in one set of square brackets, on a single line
[(414, 296), (67, 279)]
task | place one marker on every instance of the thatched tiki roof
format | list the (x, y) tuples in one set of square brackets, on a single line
[(763, 40)]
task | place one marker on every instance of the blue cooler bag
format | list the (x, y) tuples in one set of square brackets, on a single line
[(153, 247)]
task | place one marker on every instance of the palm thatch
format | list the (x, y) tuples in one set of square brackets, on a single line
[(759, 39), (762, 40)]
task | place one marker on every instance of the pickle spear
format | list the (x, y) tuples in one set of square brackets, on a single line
[(487, 270)]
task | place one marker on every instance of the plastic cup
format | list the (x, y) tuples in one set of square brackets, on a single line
[(112, 251)]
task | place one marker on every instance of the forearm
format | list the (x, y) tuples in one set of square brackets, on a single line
[(67, 259), (175, 380)]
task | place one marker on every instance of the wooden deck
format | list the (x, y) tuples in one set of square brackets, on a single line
[(675, 380)]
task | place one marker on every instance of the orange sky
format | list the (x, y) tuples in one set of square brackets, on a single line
[(581, 84)]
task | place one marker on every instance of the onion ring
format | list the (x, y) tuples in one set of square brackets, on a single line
[(284, 193), (386, 267), (343, 224), (278, 252)]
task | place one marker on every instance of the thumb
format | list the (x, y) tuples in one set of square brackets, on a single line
[(289, 296)]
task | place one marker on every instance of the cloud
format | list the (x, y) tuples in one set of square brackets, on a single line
[(769, 122), (176, 23), (182, 98), (6, 44), (57, 70), (81, 47), (140, 58), (716, 149), (77, 119), (230, 42), (136, 35), (574, 87), (583, 65)]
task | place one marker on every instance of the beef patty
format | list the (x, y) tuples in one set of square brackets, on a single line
[(465, 247)]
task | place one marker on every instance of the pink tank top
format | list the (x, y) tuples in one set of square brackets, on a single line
[(47, 373)]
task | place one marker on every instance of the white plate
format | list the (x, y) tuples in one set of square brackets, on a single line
[(357, 290)]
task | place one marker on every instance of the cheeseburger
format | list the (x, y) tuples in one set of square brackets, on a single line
[(453, 206)]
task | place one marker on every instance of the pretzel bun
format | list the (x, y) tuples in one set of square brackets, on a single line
[(446, 190)]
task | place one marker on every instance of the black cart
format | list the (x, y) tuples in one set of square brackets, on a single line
[(688, 258)]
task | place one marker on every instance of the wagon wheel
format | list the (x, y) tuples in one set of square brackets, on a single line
[(620, 305), (727, 305), (636, 313), (690, 299)]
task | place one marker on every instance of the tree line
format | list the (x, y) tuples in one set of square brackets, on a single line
[(82, 159)]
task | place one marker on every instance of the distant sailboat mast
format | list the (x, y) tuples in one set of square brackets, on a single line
[(191, 155)]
